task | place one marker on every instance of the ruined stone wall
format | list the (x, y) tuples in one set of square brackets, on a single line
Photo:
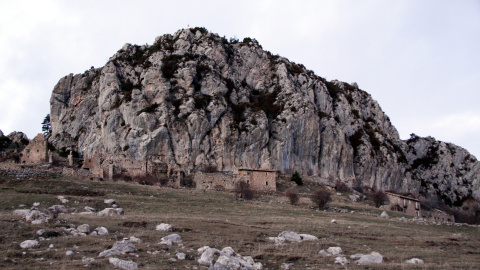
[(214, 181), (101, 167), (28, 173), (440, 216), (36, 151), (9, 165)]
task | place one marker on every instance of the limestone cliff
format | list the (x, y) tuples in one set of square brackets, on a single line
[(200, 99)]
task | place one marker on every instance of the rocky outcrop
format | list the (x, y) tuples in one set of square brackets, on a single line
[(198, 100)]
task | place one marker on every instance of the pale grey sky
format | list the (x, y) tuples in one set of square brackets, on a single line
[(418, 59)]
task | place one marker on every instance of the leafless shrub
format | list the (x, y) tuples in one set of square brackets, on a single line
[(149, 179), (243, 190), (188, 182), (121, 176), (341, 186), (321, 197), (292, 196), (432, 203), (132, 224), (469, 213), (379, 198), (83, 192)]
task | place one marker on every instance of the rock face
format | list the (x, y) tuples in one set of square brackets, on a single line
[(200, 100)]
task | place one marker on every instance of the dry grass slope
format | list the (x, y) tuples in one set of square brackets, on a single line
[(218, 220)]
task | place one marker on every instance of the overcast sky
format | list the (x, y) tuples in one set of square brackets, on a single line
[(419, 59)]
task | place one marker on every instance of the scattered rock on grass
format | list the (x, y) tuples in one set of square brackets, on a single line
[(414, 261), (29, 244), (110, 212), (119, 248), (334, 250), (88, 260), (109, 201), (364, 259), (384, 214), (122, 264), (207, 255), (181, 256), (164, 227), (84, 228), (100, 231), (62, 199), (170, 239), (341, 260), (227, 259), (21, 212), (290, 236), (134, 239), (287, 236), (308, 237)]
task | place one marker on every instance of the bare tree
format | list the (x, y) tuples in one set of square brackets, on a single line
[(321, 197), (292, 196), (380, 198), (243, 190)]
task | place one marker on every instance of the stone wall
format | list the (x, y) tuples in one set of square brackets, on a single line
[(35, 152), (214, 181), (259, 180), (28, 173), (9, 165), (442, 217)]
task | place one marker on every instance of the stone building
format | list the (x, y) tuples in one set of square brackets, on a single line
[(258, 179), (405, 204), (442, 217), (36, 151)]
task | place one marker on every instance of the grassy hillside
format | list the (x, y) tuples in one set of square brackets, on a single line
[(218, 220)]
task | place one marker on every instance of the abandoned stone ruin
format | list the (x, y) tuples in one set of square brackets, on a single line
[(96, 166), (258, 179)]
